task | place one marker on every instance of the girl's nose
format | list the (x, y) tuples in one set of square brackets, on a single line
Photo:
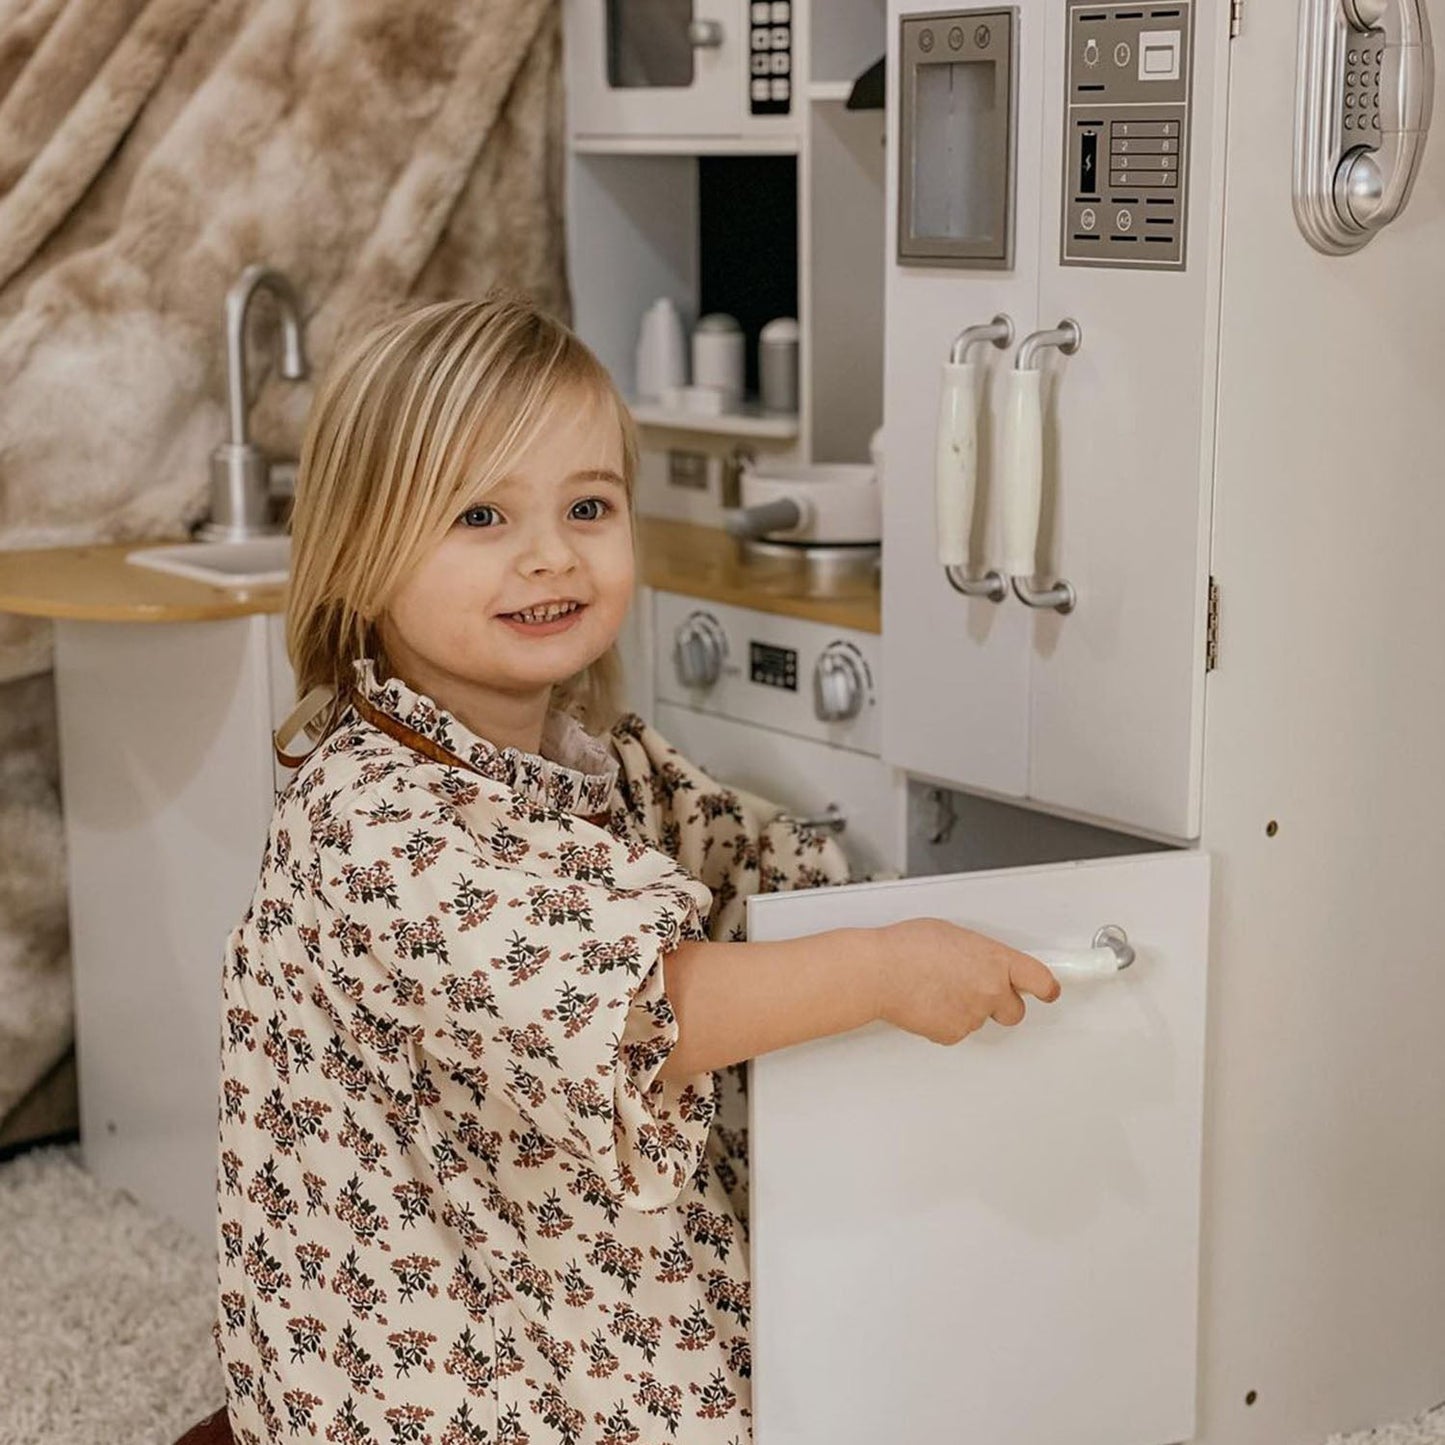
[(547, 549)]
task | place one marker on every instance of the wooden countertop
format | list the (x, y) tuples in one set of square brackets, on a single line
[(703, 562), (97, 584)]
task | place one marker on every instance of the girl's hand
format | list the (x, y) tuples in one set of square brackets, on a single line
[(942, 981)]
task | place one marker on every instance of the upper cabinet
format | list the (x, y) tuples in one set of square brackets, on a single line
[(680, 73), (1056, 177)]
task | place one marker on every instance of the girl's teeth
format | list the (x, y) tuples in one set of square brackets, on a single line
[(545, 614)]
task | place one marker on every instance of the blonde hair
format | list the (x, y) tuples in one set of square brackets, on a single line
[(414, 420)]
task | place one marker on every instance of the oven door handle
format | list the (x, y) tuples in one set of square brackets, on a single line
[(833, 820)]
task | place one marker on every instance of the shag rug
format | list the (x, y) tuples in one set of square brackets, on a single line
[(105, 1313), (106, 1318)]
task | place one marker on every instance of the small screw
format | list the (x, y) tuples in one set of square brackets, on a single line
[(1271, 828), (1250, 1398)]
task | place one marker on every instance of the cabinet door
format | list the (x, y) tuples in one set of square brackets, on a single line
[(957, 667), (1098, 711), (998, 1241), (1117, 685), (633, 68)]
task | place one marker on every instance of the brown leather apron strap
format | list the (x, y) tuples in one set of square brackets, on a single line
[(408, 735), (306, 709), (310, 707)]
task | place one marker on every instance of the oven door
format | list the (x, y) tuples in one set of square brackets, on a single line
[(996, 1242), (656, 68), (807, 778)]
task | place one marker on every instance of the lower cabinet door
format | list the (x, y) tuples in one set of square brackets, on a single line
[(995, 1243)]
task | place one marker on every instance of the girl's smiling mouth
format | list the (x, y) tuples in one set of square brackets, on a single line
[(545, 618)]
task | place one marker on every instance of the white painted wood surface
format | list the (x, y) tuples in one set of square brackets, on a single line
[(166, 769), (958, 667), (1116, 710), (996, 1242), (1325, 1166), (1098, 713)]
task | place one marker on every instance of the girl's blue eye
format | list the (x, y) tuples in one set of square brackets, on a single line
[(590, 509), (479, 517)]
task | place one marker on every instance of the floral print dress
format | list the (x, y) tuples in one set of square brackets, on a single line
[(457, 1206)]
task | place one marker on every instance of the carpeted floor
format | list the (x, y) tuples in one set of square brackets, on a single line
[(105, 1313), (105, 1317)]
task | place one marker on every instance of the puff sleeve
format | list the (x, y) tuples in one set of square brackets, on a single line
[(520, 951)]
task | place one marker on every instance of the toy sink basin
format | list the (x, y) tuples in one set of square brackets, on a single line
[(260, 562)]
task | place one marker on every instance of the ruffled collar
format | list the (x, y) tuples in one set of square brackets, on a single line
[(573, 773)]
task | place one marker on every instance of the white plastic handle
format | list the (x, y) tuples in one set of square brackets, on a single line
[(1023, 472), (1073, 963), (955, 468)]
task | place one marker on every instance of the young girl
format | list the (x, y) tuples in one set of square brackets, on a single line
[(467, 1192)]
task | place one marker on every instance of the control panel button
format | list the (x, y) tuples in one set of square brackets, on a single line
[(955, 38), (782, 62), (1122, 54), (782, 12), (760, 13), (1159, 54), (782, 37), (1124, 221), (925, 40), (760, 62), (1088, 219), (781, 89), (760, 39)]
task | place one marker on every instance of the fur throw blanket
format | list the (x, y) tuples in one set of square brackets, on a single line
[(371, 150)]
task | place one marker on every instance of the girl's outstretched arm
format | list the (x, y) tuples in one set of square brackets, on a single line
[(734, 1001)]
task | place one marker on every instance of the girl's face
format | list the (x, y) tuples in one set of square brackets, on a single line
[(532, 582)]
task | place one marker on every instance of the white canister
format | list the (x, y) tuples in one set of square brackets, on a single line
[(778, 365), (717, 356), (661, 351)]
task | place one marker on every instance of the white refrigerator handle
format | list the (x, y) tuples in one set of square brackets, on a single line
[(1109, 956), (1023, 469), (955, 465)]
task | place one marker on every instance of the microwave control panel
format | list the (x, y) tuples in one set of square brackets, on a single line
[(1126, 135), (770, 53)]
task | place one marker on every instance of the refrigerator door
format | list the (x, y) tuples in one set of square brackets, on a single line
[(999, 1241)]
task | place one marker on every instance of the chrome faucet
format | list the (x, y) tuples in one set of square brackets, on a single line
[(240, 470)]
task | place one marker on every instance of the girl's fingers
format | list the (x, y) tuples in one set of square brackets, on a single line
[(1028, 975)]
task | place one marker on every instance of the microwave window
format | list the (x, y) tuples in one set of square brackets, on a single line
[(960, 161), (648, 43)]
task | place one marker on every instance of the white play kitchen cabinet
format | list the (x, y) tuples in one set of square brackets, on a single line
[(1089, 422), (932, 1230)]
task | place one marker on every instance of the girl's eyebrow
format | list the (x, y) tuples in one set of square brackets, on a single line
[(597, 474)]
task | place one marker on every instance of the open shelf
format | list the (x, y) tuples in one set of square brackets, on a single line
[(752, 421)]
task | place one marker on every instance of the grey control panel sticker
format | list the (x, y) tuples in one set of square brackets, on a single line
[(1126, 135)]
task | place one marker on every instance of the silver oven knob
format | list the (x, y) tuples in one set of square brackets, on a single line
[(839, 684), (698, 651)]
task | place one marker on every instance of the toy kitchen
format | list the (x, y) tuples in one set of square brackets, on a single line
[(1121, 305), (1040, 412)]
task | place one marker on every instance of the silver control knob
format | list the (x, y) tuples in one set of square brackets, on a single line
[(839, 684), (698, 651)]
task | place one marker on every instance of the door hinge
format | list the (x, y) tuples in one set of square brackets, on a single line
[(1236, 18), (1211, 629)]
